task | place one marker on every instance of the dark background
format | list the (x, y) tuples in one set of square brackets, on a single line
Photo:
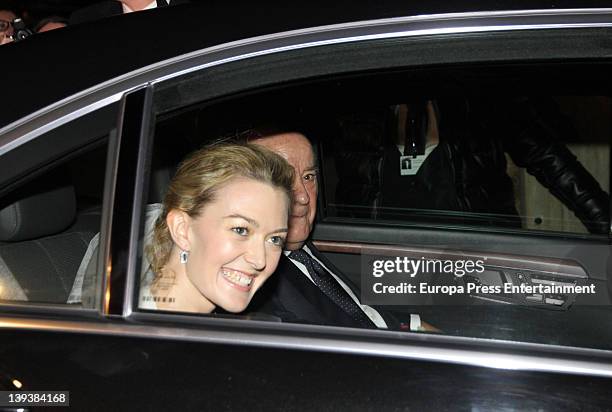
[(34, 10)]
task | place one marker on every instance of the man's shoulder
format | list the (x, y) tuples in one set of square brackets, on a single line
[(288, 285), (292, 296)]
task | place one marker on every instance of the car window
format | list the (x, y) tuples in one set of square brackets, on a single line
[(492, 174), (528, 163), (47, 226), (50, 214), (511, 161)]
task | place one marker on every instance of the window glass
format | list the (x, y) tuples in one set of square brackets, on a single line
[(523, 162), (492, 148), (49, 231)]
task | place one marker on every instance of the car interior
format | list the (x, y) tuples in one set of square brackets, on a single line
[(46, 226)]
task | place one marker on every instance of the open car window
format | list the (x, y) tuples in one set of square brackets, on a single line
[(501, 198), (486, 179)]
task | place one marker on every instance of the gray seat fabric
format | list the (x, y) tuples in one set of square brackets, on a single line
[(9, 287), (44, 244), (47, 212), (45, 268)]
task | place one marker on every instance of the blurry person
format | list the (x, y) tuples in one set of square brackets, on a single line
[(50, 23), (449, 154), (220, 232), (112, 8), (6, 27)]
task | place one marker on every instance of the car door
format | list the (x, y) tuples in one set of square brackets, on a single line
[(361, 76), (110, 354)]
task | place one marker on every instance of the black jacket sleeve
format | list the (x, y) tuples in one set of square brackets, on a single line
[(532, 134)]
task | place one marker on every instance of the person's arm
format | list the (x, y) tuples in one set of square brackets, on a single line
[(532, 132)]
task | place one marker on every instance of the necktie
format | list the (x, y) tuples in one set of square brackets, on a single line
[(331, 288)]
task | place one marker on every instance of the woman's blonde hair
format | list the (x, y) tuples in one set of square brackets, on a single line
[(202, 174)]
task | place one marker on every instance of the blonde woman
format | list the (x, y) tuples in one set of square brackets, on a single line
[(220, 231)]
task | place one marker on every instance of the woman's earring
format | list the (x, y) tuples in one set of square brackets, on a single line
[(183, 256)]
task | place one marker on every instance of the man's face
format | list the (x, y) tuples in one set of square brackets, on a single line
[(9, 16), (297, 150)]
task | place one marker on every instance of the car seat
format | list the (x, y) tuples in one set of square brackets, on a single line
[(42, 242)]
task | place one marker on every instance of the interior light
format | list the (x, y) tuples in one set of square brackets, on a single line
[(17, 384)]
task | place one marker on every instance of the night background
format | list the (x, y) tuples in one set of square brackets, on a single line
[(34, 10)]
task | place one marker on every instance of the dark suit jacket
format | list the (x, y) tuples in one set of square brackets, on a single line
[(106, 9), (291, 296)]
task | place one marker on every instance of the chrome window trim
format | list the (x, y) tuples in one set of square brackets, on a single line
[(63, 114), (410, 346), (104, 266), (137, 225), (54, 115)]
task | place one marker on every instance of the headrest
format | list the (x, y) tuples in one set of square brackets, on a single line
[(45, 213)]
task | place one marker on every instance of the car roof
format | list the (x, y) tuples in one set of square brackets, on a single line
[(47, 68)]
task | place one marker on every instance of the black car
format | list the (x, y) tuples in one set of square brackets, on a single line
[(97, 116)]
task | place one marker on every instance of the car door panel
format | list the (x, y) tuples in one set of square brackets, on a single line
[(110, 372)]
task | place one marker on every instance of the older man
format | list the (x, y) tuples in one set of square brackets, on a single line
[(307, 287)]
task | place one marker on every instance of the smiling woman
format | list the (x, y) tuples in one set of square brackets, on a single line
[(220, 231)]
